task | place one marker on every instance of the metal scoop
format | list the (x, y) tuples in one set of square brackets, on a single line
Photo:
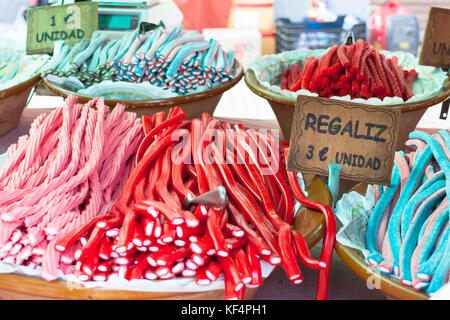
[(216, 198)]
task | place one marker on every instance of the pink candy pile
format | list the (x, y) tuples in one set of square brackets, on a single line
[(71, 167)]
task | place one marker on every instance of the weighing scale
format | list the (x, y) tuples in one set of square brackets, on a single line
[(118, 16)]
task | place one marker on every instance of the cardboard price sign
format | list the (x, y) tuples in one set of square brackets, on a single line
[(436, 44), (360, 137), (70, 23)]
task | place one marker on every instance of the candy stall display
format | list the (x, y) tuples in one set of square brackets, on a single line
[(98, 221), (68, 169), (18, 74), (132, 187), (355, 72), (401, 230), (160, 67), (16, 67)]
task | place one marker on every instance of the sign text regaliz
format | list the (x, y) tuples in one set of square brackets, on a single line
[(362, 138)]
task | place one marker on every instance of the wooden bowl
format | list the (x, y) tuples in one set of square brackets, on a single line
[(12, 102), (411, 112), (354, 259), (193, 104), (16, 286)]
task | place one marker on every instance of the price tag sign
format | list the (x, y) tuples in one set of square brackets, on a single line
[(436, 42), (362, 138), (70, 23)]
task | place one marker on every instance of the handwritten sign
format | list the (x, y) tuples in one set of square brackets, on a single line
[(70, 23), (436, 43), (360, 137)]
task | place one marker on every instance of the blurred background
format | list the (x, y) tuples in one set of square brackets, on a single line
[(259, 27), (255, 27)]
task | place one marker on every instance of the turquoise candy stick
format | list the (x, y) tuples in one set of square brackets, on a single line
[(103, 59), (177, 31), (112, 52), (148, 42), (53, 63), (151, 54), (426, 190), (444, 134), (95, 42), (185, 50), (210, 54), (422, 230), (438, 154), (427, 200), (63, 61), (426, 261), (67, 57), (393, 229), (440, 274), (428, 267), (334, 178), (230, 59), (95, 59), (220, 60), (125, 44), (375, 257), (164, 51), (161, 36), (77, 48)]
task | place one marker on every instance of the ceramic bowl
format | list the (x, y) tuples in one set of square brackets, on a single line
[(12, 102), (192, 104), (411, 112), (354, 259)]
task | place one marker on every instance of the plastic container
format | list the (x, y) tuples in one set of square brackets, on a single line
[(393, 27), (313, 35)]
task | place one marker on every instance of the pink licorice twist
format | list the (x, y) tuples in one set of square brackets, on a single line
[(50, 262), (90, 166), (70, 114), (13, 160), (20, 178), (112, 141), (120, 155), (6, 229), (60, 206), (53, 120), (91, 210), (42, 193), (95, 195), (114, 116), (54, 226)]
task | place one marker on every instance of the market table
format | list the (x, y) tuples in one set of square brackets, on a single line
[(344, 284)]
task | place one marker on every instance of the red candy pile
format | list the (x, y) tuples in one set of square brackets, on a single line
[(150, 233), (358, 70)]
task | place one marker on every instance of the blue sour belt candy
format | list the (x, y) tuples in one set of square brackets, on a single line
[(415, 245)]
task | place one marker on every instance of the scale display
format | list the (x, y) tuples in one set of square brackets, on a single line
[(118, 22)]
